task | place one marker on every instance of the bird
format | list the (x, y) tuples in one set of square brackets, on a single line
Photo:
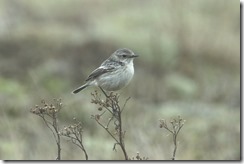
[(114, 73)]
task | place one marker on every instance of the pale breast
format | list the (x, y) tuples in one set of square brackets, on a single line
[(113, 81)]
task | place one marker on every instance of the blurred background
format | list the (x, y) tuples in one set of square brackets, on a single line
[(189, 65)]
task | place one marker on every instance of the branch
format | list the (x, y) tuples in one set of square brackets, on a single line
[(111, 104), (51, 111), (176, 126)]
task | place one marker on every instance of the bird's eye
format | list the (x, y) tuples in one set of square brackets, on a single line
[(123, 56)]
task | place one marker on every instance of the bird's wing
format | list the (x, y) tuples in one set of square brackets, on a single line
[(99, 71), (108, 65)]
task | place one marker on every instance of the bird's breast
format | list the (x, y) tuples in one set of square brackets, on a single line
[(117, 79)]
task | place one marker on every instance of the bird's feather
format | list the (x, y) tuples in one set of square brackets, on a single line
[(98, 72), (108, 65)]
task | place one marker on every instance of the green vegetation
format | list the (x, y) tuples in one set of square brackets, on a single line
[(189, 66)]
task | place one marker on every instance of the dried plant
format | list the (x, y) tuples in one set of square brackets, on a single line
[(48, 113), (174, 129), (114, 124), (109, 118), (75, 133), (138, 157)]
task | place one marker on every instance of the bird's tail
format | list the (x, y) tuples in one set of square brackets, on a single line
[(79, 89)]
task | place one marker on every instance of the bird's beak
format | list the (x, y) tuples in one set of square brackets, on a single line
[(134, 56)]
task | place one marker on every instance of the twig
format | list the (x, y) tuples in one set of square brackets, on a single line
[(51, 111), (74, 133), (112, 105), (176, 125)]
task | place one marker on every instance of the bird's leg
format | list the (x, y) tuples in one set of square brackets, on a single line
[(104, 92), (114, 107)]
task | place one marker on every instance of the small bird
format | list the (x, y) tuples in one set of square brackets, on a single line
[(114, 73)]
